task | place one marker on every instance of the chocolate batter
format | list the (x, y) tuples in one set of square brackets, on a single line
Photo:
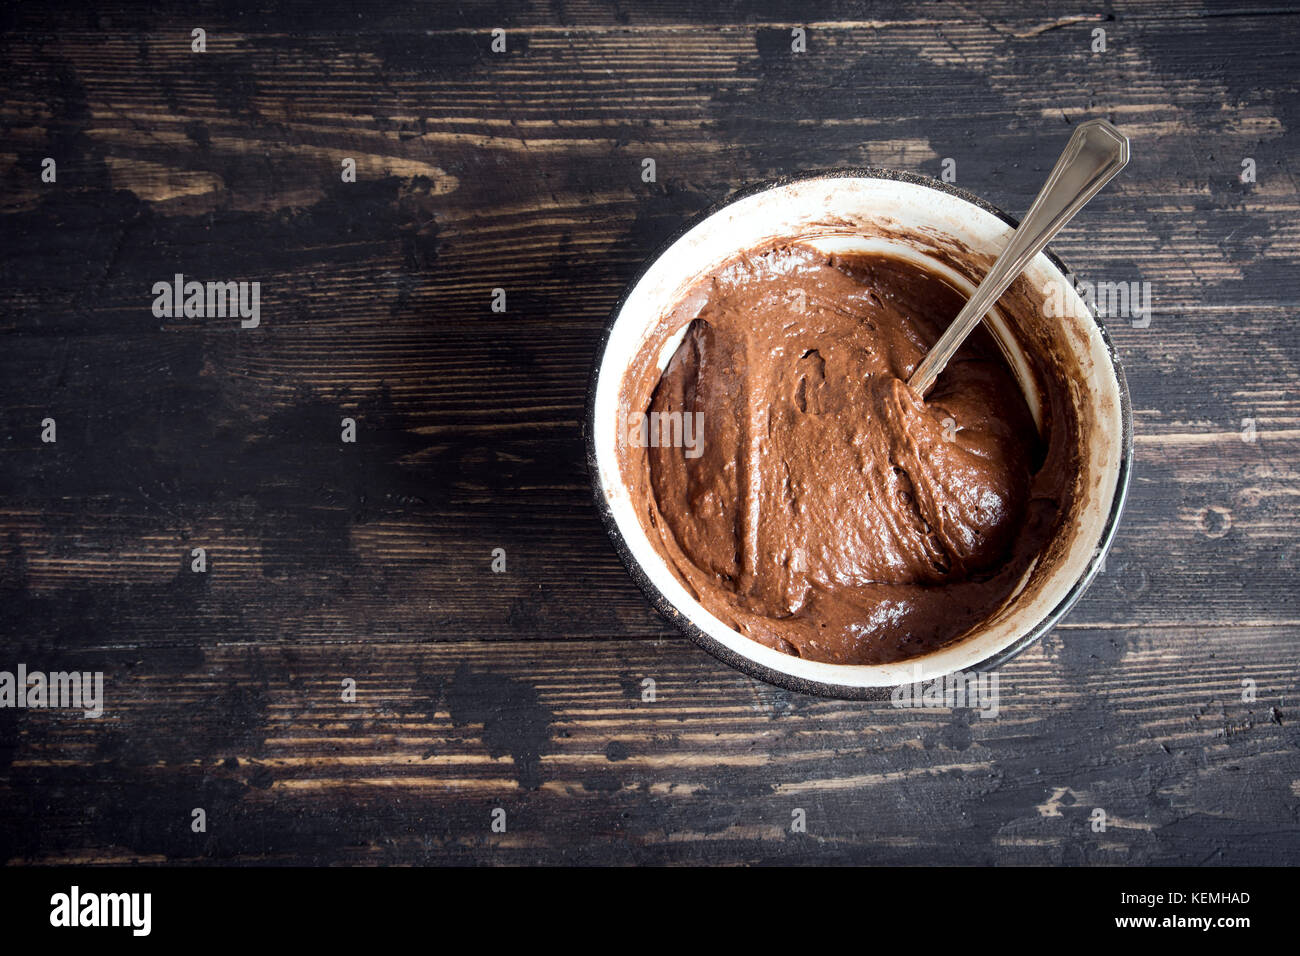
[(825, 510)]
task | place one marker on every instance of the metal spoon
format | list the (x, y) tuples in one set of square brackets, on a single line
[(1094, 155)]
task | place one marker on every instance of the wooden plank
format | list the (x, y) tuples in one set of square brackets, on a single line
[(1150, 727)]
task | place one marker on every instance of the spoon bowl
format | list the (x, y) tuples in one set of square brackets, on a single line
[(877, 210)]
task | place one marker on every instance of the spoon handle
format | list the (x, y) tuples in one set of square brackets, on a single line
[(1095, 154)]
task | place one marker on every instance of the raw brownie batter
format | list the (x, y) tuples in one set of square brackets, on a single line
[(822, 508)]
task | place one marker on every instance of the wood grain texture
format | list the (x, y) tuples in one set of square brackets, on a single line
[(372, 560)]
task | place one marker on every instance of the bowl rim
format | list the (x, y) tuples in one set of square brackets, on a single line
[(711, 645)]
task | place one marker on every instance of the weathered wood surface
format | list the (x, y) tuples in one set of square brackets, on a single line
[(372, 560)]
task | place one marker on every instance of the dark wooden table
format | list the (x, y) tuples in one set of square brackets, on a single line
[(372, 561)]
